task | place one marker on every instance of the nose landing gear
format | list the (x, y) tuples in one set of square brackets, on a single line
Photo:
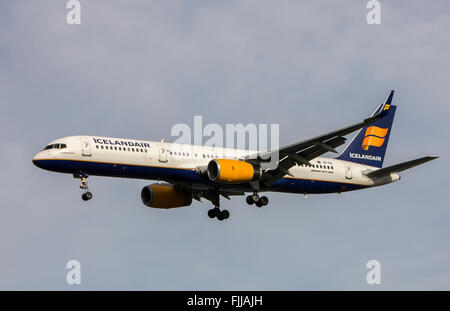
[(84, 185)]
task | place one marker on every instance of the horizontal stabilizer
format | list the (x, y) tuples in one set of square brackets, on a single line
[(399, 167)]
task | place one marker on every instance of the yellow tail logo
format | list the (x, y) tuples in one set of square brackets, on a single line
[(374, 136)]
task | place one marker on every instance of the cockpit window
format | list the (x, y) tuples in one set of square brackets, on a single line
[(55, 146)]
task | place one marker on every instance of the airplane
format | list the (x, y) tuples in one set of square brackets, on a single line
[(185, 172)]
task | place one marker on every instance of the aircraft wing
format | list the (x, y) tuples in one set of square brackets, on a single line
[(399, 167), (304, 151)]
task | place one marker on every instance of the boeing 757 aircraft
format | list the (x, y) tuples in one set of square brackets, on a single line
[(186, 172)]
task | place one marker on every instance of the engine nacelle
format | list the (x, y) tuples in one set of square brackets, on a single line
[(232, 171), (164, 196)]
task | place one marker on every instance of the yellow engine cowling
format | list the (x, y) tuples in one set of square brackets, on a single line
[(232, 171), (164, 196)]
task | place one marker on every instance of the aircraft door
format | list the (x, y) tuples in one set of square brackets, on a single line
[(348, 171), (162, 152), (85, 147)]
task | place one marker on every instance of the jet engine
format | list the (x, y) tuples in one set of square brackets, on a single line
[(165, 196), (232, 171)]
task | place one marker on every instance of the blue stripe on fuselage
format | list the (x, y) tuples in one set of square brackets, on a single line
[(292, 185)]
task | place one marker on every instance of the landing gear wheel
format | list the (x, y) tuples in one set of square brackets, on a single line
[(86, 196), (222, 215), (212, 213), (217, 213), (255, 197), (225, 214), (264, 200), (249, 200), (259, 204)]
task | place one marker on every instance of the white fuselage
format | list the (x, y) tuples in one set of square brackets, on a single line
[(179, 163)]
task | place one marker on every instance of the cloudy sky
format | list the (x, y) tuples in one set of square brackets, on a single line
[(135, 68)]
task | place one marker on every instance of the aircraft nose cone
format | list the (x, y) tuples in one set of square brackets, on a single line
[(36, 161)]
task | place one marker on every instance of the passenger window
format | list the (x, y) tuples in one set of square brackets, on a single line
[(96, 146), (120, 148), (102, 146), (204, 155), (145, 150), (128, 148)]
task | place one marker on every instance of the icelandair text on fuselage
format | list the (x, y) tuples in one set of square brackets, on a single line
[(236, 301), (120, 143), (365, 156)]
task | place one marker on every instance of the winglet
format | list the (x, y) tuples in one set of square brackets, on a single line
[(384, 109)]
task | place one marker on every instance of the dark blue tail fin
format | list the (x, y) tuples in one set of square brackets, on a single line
[(369, 145)]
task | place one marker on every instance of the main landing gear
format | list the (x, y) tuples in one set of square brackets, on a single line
[(220, 214), (84, 185), (258, 201), (216, 212)]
